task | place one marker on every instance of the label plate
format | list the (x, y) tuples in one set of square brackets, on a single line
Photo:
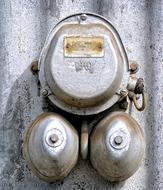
[(79, 46)]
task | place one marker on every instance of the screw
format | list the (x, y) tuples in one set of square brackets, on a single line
[(44, 92), (118, 140), (34, 67), (134, 67), (83, 17), (54, 138)]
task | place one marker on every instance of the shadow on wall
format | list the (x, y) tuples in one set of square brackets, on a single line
[(23, 106)]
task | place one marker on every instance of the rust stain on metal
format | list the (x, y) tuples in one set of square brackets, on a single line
[(80, 46), (134, 67), (34, 67)]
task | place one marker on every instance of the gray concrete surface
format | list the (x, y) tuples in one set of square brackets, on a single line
[(24, 25)]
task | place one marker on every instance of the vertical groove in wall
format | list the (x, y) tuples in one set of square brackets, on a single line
[(155, 111)]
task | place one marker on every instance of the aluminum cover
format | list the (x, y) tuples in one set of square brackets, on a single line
[(84, 64)]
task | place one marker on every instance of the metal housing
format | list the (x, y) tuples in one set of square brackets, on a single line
[(83, 65), (24, 26)]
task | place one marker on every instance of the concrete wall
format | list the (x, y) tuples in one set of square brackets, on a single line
[(24, 25)]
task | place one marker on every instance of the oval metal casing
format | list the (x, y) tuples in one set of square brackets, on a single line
[(83, 64), (51, 147), (117, 147)]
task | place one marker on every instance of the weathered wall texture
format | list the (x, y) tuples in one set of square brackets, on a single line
[(24, 25)]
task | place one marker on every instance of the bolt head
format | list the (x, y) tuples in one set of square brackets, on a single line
[(44, 92), (134, 67), (54, 138), (83, 17), (118, 140), (34, 67)]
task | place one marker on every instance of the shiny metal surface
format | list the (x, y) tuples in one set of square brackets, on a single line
[(51, 147), (132, 83), (117, 147), (84, 64), (84, 140)]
